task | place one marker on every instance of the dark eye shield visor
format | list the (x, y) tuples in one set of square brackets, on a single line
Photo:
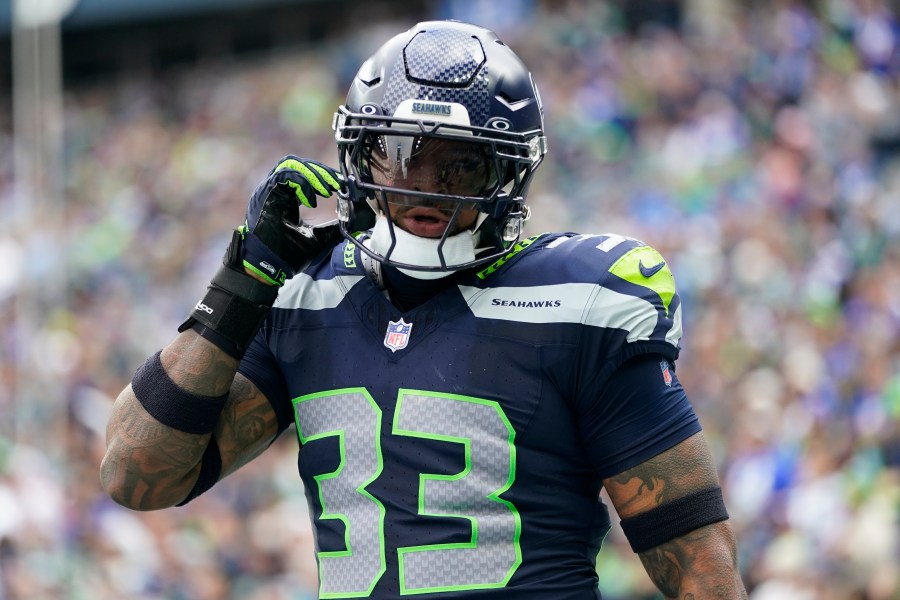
[(410, 168), (391, 158)]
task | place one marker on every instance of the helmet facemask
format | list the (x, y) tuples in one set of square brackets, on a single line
[(444, 118)]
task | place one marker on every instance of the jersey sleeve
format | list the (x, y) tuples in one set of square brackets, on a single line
[(259, 366), (629, 404), (635, 310), (641, 412)]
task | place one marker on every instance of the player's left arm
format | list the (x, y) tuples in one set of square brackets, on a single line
[(638, 421), (700, 563)]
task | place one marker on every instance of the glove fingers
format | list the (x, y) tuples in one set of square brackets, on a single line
[(303, 192), (307, 178), (330, 176), (327, 175), (277, 241)]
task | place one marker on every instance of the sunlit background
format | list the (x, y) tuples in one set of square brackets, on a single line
[(754, 143)]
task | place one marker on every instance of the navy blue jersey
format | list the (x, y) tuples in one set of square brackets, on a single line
[(457, 450)]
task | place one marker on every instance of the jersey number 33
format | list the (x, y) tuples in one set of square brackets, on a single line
[(480, 427)]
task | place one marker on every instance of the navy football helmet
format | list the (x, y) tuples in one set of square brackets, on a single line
[(441, 87)]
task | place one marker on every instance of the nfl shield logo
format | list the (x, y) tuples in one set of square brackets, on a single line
[(397, 335), (667, 377)]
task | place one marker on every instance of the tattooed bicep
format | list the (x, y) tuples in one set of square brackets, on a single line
[(685, 468), (246, 427)]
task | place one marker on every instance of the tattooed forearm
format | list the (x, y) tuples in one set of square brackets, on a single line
[(699, 565), (677, 472), (147, 465), (198, 366), (247, 426)]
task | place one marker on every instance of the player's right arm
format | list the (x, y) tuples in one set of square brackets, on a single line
[(188, 419), (149, 465)]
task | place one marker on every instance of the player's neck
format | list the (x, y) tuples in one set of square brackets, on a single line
[(407, 293)]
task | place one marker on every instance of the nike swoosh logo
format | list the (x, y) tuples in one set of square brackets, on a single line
[(649, 272)]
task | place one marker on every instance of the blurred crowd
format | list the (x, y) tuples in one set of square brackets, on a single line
[(755, 145)]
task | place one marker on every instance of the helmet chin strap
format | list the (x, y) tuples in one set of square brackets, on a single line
[(420, 251)]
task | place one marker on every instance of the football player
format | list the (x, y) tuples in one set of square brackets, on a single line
[(459, 394)]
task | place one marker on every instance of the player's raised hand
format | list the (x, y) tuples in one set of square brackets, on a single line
[(276, 240)]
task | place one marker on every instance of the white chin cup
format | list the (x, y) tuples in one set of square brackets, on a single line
[(411, 249)]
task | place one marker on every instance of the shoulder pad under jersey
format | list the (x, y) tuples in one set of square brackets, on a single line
[(625, 283)]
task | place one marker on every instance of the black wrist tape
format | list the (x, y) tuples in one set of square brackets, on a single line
[(210, 470), (171, 405), (673, 519), (234, 307)]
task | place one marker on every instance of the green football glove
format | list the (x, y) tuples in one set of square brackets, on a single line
[(276, 241)]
